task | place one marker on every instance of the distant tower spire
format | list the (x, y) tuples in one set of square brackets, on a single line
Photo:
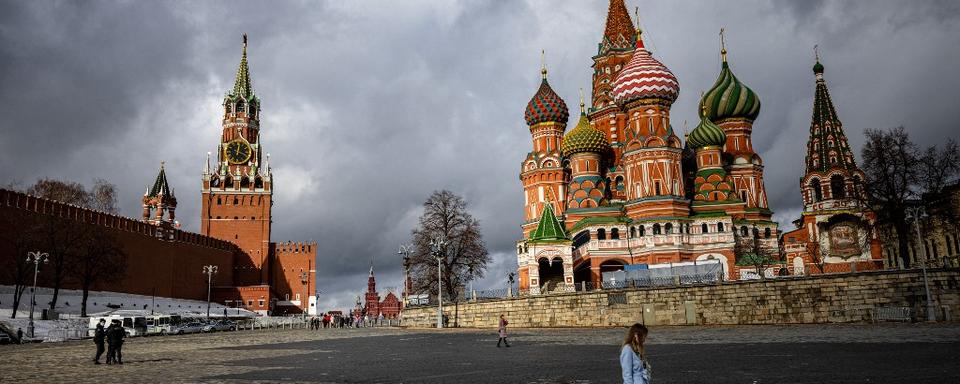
[(242, 86)]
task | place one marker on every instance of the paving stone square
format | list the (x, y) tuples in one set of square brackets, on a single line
[(890, 353)]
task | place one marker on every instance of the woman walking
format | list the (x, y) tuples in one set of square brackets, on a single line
[(633, 357), (502, 330)]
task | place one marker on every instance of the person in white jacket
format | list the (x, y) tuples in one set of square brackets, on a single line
[(633, 358)]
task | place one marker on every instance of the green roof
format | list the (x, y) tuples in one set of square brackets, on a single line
[(242, 86), (160, 186), (549, 229)]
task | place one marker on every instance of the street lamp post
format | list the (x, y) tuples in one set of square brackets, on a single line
[(36, 258), (305, 279), (209, 270), (405, 250), (916, 212), (437, 246)]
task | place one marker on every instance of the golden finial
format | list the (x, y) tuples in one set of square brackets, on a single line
[(162, 163), (685, 132), (582, 104), (703, 106), (244, 41), (543, 64), (723, 46), (816, 52)]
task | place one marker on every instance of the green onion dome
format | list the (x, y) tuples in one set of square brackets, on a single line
[(584, 138), (546, 106), (706, 134), (818, 68), (729, 98)]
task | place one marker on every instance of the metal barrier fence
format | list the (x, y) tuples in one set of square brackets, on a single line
[(552, 288)]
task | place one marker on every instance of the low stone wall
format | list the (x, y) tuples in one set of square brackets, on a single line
[(815, 299)]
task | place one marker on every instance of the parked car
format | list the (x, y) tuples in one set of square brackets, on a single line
[(192, 327), (222, 325), (5, 338)]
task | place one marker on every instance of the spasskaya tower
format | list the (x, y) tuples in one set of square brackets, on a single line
[(238, 187)]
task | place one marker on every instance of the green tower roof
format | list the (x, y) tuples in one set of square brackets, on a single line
[(549, 228)]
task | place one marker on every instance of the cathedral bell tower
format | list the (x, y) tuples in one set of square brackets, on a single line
[(238, 188)]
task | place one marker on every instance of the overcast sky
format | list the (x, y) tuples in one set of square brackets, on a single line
[(369, 106)]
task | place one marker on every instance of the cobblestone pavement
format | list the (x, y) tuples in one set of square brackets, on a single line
[(917, 353)]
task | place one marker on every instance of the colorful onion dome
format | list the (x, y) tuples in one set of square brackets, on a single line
[(584, 138), (643, 78), (706, 134), (546, 105), (729, 98)]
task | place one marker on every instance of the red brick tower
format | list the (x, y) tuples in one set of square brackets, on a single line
[(158, 200), (733, 106), (613, 53), (372, 298), (645, 89), (836, 223), (238, 190), (542, 172)]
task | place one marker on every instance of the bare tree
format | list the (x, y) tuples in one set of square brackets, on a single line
[(103, 196), (753, 251), (816, 252), (897, 172), (464, 256), (101, 259), (20, 237), (60, 236)]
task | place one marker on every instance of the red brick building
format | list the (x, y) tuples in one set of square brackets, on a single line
[(236, 204), (621, 189), (836, 230), (373, 307)]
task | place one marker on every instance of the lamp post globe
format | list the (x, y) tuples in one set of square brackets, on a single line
[(209, 270)]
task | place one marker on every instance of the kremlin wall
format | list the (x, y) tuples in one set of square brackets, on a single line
[(165, 265)]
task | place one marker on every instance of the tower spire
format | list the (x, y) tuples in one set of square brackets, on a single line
[(619, 32), (242, 87)]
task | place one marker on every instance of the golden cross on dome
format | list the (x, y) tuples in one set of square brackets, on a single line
[(723, 46), (636, 14), (816, 52), (582, 104), (543, 64), (162, 164)]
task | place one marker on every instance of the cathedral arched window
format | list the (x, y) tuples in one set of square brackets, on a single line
[(633, 231), (601, 234), (766, 233), (615, 234), (642, 230), (240, 106), (668, 228), (245, 182), (719, 227), (815, 188), (656, 229), (743, 230), (756, 232), (219, 200), (837, 187), (704, 228)]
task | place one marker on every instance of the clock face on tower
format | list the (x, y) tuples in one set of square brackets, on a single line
[(238, 151)]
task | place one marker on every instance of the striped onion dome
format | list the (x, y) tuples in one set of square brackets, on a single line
[(546, 106), (584, 138), (729, 98), (706, 134), (643, 78)]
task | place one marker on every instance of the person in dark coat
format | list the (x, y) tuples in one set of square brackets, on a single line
[(111, 345), (118, 335), (98, 338), (20, 335)]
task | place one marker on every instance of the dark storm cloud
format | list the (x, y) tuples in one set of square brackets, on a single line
[(370, 106)]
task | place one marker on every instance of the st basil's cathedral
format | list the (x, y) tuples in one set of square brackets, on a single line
[(621, 189)]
